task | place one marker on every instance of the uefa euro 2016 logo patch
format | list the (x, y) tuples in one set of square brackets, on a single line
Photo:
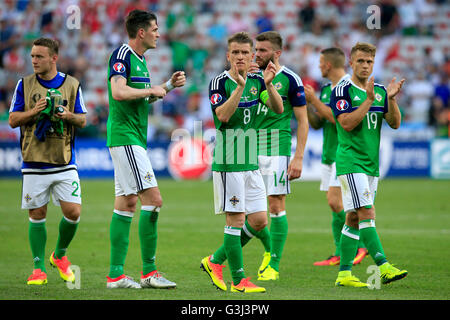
[(119, 67), (342, 105), (216, 98)]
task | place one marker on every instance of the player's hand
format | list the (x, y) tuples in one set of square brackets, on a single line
[(369, 89), (66, 114), (157, 91), (254, 68), (178, 79), (239, 78), (394, 87), (310, 93), (270, 73), (40, 105), (294, 170)]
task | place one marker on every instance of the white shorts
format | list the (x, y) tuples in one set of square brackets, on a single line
[(37, 186), (358, 190), (329, 178), (274, 172), (239, 192), (133, 171)]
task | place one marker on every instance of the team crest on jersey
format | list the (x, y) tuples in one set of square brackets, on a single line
[(342, 105), (234, 201), (216, 98), (119, 67), (278, 85), (378, 97), (253, 90)]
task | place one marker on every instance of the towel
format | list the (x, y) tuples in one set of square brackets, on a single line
[(46, 121)]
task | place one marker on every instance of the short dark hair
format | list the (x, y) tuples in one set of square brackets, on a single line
[(240, 37), (364, 47), (138, 19), (52, 45), (273, 37), (335, 56)]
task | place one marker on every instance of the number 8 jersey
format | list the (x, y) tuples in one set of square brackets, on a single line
[(236, 140), (358, 150)]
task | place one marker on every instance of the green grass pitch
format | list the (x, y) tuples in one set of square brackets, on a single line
[(413, 221)]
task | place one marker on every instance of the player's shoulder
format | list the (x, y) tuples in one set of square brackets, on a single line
[(218, 80), (326, 85), (122, 52), (342, 88), (380, 86), (292, 76)]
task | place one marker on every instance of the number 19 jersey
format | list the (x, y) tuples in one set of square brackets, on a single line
[(358, 150), (236, 140)]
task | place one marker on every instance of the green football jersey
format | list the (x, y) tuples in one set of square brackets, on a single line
[(274, 130), (358, 150), (330, 140), (128, 119), (236, 140)]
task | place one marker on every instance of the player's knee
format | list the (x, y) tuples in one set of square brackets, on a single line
[(258, 225), (38, 213), (352, 219)]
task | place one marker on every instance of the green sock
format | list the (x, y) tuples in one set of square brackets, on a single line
[(370, 237), (119, 231), (337, 223), (349, 246), (148, 237), (220, 255), (233, 249), (37, 235), (264, 236), (278, 235), (67, 230)]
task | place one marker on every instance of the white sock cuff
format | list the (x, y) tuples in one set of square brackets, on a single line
[(151, 208), (37, 221), (280, 214), (367, 224), (232, 231), (72, 221), (124, 213), (247, 232)]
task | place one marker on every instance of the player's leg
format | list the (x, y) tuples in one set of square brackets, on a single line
[(124, 208), (353, 186), (370, 237), (37, 235), (35, 197)]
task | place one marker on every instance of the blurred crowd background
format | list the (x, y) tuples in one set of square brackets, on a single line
[(413, 41)]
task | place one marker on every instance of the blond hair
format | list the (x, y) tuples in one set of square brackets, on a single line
[(364, 47)]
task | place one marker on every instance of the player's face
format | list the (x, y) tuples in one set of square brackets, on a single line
[(264, 53), (362, 64), (240, 54), (151, 35), (42, 60), (324, 66)]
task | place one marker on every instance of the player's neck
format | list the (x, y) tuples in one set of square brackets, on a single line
[(360, 82), (137, 47), (336, 75), (48, 75)]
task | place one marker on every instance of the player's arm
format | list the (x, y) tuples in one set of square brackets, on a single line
[(393, 116), (322, 109), (120, 91), (273, 99), (314, 119), (76, 118), (352, 118), (178, 79), (17, 115), (294, 170), (225, 110)]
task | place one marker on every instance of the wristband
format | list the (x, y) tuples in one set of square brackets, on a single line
[(169, 85)]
